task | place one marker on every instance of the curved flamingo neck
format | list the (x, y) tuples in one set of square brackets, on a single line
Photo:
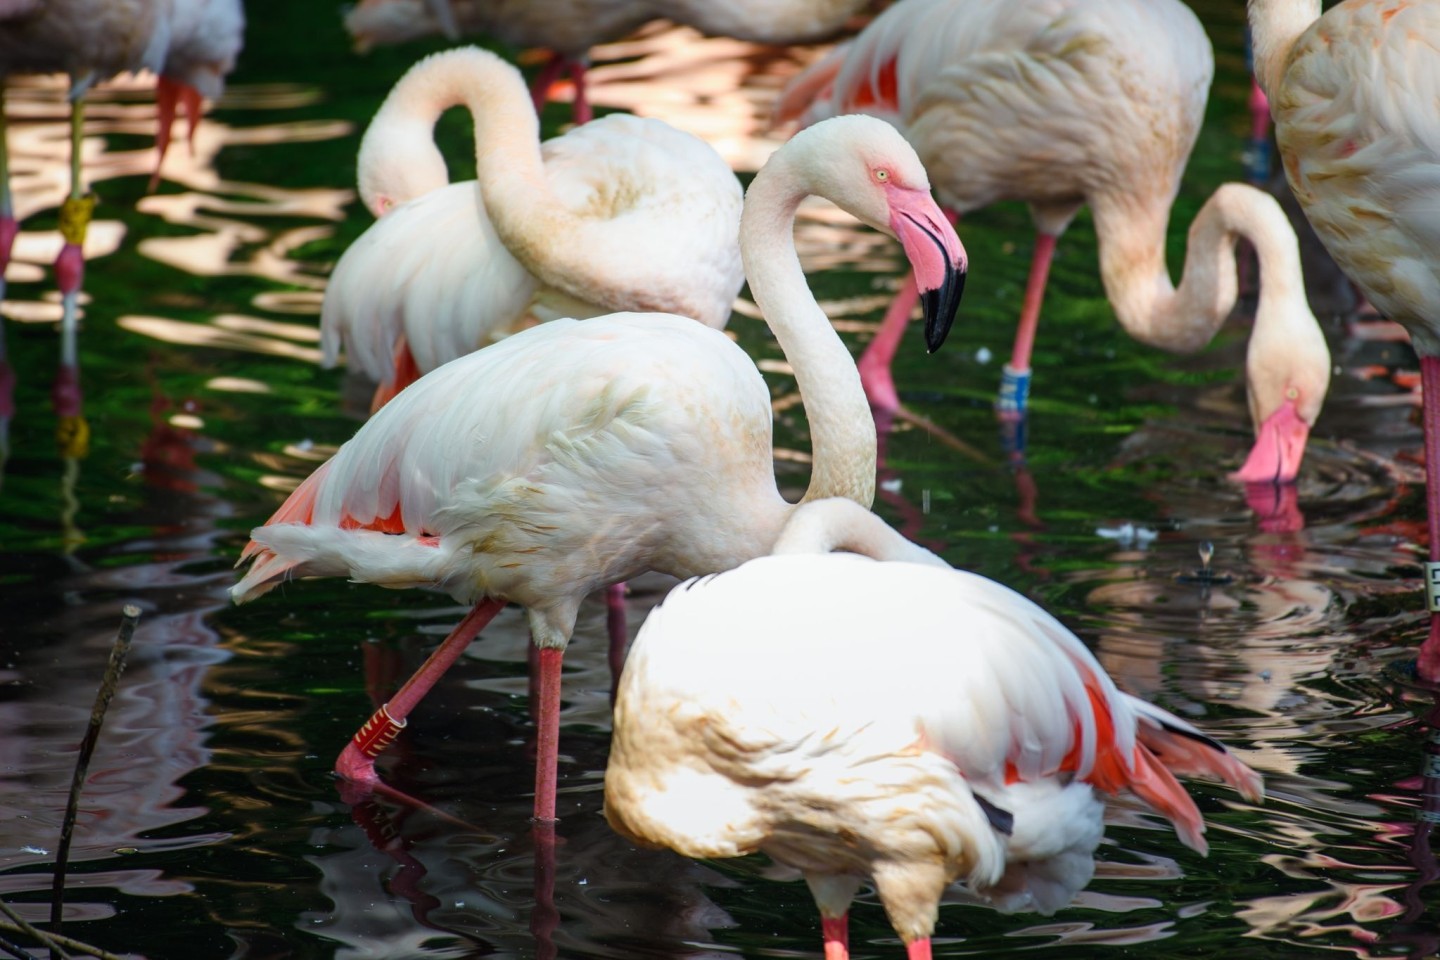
[(842, 430), (535, 226), (824, 526), (1185, 319), (1275, 25)]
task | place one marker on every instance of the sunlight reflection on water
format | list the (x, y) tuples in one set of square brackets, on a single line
[(221, 741)]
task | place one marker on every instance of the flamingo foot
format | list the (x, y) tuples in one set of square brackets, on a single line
[(836, 931)]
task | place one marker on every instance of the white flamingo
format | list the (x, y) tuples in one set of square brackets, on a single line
[(205, 40), (1063, 103), (619, 214), (955, 731), (577, 454), (569, 28), (1353, 95)]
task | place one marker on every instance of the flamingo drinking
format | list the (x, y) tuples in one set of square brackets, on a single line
[(1063, 103), (1353, 96)]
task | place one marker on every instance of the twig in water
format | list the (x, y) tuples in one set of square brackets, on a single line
[(129, 617), (15, 950), (70, 943), (23, 925)]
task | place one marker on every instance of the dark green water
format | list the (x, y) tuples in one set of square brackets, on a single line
[(211, 827)]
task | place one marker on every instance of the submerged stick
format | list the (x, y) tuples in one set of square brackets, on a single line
[(70, 943), (129, 617), (23, 926)]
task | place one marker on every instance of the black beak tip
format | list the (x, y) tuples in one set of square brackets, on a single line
[(941, 305)]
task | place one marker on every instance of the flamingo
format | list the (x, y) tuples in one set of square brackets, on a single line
[(1353, 94), (91, 40), (767, 709), (619, 214), (577, 454), (569, 28), (1063, 103), (205, 39)]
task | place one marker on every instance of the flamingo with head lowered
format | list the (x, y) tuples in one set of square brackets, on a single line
[(955, 732), (1068, 103), (1354, 94), (620, 214), (578, 454)]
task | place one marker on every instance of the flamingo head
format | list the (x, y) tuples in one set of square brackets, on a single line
[(867, 168), (1287, 371)]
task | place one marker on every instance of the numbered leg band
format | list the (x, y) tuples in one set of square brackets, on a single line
[(378, 733), (1014, 390)]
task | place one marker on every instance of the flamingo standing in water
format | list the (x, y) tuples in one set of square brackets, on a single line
[(1063, 103), (578, 454), (91, 40), (619, 214), (205, 39), (1353, 94), (955, 732), (569, 28)]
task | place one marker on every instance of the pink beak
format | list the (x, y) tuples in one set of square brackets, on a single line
[(1278, 449), (936, 255)]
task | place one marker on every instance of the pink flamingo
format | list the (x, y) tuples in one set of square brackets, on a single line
[(1066, 103), (205, 39), (623, 214), (578, 454), (1352, 93), (765, 709), (569, 28)]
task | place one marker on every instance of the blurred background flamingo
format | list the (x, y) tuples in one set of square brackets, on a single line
[(1353, 92), (569, 28), (575, 455), (1073, 103)]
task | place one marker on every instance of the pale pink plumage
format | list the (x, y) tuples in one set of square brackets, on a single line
[(654, 225), (579, 453), (1354, 96), (1064, 103), (954, 732)]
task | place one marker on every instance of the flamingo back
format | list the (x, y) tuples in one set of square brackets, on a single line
[(779, 690), (432, 271), (672, 205), (568, 456), (1045, 101)]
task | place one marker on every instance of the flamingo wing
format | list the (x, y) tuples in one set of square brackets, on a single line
[(535, 461), (433, 272), (672, 206)]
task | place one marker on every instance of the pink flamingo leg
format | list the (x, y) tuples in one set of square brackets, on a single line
[(1015, 386), (876, 361), (357, 760), (836, 931), (547, 748), (918, 950), (580, 109), (544, 919), (1428, 663), (619, 633), (540, 92)]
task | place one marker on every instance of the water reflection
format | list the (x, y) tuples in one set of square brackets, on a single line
[(206, 407)]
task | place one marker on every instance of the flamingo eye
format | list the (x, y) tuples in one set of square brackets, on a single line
[(1292, 393), (882, 175)]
